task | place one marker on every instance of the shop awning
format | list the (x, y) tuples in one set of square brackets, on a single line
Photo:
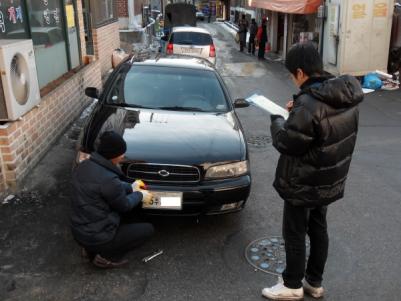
[(288, 6)]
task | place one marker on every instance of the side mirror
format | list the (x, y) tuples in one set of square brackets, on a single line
[(92, 92), (241, 103)]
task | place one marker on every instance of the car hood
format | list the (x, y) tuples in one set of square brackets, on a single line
[(158, 136)]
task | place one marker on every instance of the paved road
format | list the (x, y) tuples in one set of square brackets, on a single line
[(204, 259)]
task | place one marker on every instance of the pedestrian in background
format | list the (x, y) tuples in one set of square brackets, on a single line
[(262, 38), (253, 29), (316, 143), (100, 196), (243, 30)]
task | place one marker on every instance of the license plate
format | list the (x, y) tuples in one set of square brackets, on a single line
[(189, 50), (165, 200)]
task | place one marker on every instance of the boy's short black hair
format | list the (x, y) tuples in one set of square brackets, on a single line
[(304, 56)]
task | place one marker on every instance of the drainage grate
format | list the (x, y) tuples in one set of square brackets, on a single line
[(259, 141), (267, 254)]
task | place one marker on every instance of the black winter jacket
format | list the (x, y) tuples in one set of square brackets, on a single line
[(317, 141), (99, 195), (253, 30)]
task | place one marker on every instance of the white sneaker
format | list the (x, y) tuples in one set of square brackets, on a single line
[(281, 292), (315, 292)]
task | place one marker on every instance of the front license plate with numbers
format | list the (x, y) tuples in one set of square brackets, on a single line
[(165, 200)]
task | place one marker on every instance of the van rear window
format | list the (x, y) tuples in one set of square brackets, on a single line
[(191, 38)]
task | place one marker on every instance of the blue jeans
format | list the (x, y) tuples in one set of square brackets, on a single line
[(297, 222)]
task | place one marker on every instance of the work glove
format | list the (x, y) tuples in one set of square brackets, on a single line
[(138, 185), (147, 197)]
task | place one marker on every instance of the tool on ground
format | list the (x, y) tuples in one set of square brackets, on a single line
[(154, 255)]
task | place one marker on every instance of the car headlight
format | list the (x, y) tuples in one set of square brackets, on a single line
[(227, 170)]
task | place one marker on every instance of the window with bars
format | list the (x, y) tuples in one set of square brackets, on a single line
[(103, 12), (53, 28)]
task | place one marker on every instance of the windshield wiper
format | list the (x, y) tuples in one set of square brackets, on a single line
[(178, 108), (137, 106), (127, 105)]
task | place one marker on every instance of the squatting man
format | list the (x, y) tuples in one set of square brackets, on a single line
[(100, 199)]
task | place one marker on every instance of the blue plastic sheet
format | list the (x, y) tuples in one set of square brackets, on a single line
[(372, 81)]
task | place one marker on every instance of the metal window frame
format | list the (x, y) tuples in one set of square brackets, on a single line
[(89, 22), (94, 9), (65, 30)]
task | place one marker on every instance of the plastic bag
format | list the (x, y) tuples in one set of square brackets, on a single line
[(372, 81), (237, 38), (118, 56)]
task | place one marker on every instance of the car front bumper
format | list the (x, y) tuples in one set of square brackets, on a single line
[(209, 198)]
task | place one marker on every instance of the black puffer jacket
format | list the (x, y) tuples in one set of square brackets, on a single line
[(99, 196), (317, 141)]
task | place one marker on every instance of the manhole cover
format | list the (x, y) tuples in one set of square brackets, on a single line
[(259, 141), (267, 254)]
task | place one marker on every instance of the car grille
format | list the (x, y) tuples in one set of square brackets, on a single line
[(163, 173)]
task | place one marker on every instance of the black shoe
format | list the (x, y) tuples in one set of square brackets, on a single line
[(104, 263)]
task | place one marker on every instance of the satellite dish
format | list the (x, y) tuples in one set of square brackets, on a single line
[(19, 74)]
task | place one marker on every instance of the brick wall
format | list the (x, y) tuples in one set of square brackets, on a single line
[(23, 143), (122, 8), (105, 40), (2, 176)]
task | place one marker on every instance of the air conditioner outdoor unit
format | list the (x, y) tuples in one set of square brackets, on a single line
[(19, 88)]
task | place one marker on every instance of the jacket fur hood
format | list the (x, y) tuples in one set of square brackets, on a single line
[(338, 92)]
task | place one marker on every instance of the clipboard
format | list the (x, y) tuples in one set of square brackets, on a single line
[(267, 105)]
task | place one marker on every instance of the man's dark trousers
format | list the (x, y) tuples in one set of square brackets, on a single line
[(297, 222), (127, 238), (242, 45), (251, 44), (261, 52)]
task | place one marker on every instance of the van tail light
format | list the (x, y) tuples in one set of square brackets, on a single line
[(170, 48), (212, 51)]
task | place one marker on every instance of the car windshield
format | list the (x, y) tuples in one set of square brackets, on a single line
[(170, 88), (191, 38)]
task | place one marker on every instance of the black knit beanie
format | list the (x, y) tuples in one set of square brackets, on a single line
[(111, 145)]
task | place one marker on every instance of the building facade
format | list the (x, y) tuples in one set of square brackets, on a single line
[(289, 22), (353, 37), (72, 41), (131, 13)]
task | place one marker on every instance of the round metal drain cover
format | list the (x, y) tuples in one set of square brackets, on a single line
[(267, 254), (259, 141)]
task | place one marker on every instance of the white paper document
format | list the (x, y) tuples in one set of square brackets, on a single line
[(268, 105)]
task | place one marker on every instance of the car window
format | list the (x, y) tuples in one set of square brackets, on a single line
[(173, 88), (191, 38)]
